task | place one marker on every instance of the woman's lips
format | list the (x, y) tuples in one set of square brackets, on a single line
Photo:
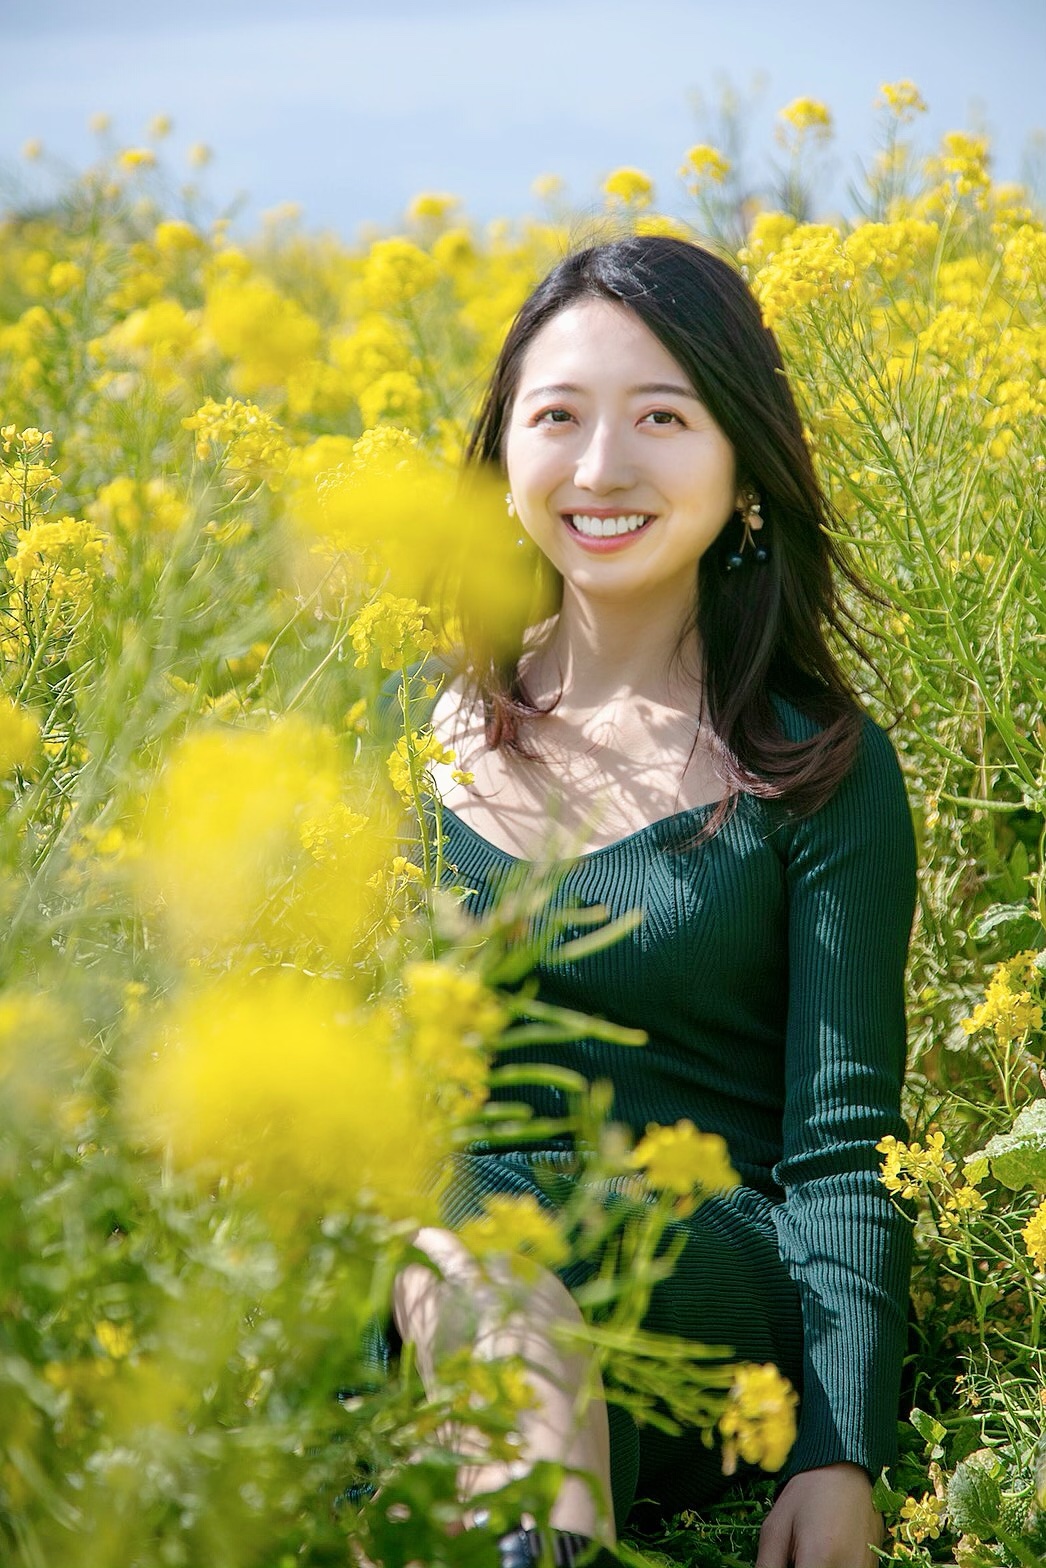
[(601, 530)]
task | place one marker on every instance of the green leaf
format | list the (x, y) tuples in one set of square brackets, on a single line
[(884, 1498), (927, 1426), (1018, 1157), (974, 1501)]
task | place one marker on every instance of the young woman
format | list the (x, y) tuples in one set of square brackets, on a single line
[(683, 725)]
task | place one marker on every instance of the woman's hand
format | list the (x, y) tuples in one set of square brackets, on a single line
[(822, 1519)]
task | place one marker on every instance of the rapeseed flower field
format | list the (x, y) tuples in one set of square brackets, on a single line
[(241, 1028)]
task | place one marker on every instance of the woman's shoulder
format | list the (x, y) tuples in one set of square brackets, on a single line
[(873, 789)]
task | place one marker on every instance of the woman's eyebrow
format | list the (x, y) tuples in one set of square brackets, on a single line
[(666, 387)]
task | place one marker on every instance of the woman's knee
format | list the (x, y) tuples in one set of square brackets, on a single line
[(482, 1288)]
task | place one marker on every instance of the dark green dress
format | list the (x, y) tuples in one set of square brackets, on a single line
[(768, 972)]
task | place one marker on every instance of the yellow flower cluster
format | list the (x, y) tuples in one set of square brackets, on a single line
[(903, 99), (285, 1085), (681, 1160), (395, 628), (254, 446), (704, 165), (922, 1519), (1012, 1006), (516, 1227), (266, 334), (409, 763), (396, 271), (629, 188), (908, 1168), (1034, 1234), (19, 737), (758, 1424), (63, 559), (454, 1020), (805, 115), (809, 262)]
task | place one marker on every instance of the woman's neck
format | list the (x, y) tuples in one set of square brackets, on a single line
[(604, 652)]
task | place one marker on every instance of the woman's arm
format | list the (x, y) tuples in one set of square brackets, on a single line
[(851, 886)]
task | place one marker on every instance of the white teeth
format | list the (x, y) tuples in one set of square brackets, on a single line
[(607, 527)]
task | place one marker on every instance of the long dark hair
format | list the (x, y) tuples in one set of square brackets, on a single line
[(762, 628)]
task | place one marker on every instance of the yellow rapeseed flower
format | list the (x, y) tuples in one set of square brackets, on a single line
[(1011, 1013), (454, 1019), (922, 1518), (396, 628), (758, 1424), (680, 1159), (517, 1227), (432, 206), (287, 1086), (266, 334), (254, 445), (137, 158), (423, 749), (807, 114), (909, 1168), (903, 99), (234, 816), (1034, 1234), (395, 272), (64, 558), (630, 188), (395, 398), (19, 736), (704, 165)]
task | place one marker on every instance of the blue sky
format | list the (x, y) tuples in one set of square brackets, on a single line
[(349, 109)]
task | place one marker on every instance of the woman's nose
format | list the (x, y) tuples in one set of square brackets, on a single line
[(604, 464)]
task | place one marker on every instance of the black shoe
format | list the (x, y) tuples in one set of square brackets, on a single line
[(523, 1549)]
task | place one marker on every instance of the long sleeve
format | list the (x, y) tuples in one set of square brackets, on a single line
[(850, 873)]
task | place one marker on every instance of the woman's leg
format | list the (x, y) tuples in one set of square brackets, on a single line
[(489, 1308)]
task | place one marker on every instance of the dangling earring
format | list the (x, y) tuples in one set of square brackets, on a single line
[(749, 508), (510, 505)]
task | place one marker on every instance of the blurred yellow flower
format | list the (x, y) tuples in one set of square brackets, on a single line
[(137, 158), (395, 272), (454, 1019), (807, 114), (758, 1424), (160, 125), (19, 736), (903, 99), (629, 188), (432, 205), (287, 1086), (704, 166), (516, 1227)]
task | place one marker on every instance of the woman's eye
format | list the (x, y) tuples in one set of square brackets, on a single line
[(553, 416), (664, 416)]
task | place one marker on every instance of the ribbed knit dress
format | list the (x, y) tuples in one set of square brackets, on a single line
[(768, 972)]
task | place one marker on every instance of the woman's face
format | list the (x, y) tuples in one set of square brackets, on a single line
[(618, 472)]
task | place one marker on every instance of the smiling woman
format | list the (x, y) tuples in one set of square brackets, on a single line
[(680, 714)]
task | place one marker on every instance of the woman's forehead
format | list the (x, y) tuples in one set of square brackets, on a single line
[(596, 336)]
